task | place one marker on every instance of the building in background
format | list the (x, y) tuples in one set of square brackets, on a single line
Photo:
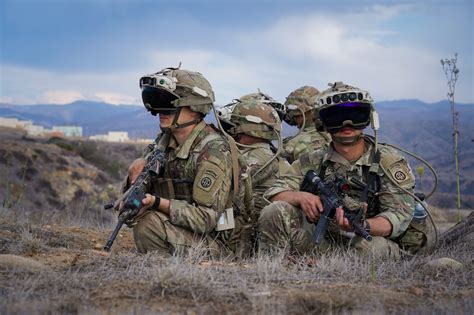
[(69, 131), (34, 130), (15, 123), (112, 136)]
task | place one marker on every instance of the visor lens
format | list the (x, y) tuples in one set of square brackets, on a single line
[(158, 99), (333, 117), (166, 111)]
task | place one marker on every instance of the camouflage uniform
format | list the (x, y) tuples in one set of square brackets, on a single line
[(306, 141), (196, 176), (255, 123), (197, 179), (283, 225), (311, 137), (256, 156)]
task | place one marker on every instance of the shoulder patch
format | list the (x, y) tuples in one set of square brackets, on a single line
[(398, 169), (209, 179)]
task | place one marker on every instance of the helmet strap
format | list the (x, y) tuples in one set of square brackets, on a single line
[(174, 125)]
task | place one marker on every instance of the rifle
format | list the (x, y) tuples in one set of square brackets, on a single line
[(132, 198), (328, 192)]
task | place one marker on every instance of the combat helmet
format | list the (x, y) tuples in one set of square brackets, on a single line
[(254, 118), (266, 99), (299, 102), (342, 105), (171, 88)]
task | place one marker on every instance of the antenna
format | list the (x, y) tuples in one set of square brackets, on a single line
[(452, 72)]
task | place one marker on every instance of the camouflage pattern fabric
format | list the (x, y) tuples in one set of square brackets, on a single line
[(204, 162), (285, 227), (256, 156), (304, 98), (390, 203), (155, 232), (308, 140)]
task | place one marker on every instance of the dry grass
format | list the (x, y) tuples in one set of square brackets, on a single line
[(82, 280)]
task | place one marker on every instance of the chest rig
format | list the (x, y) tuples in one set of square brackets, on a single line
[(367, 188), (176, 178)]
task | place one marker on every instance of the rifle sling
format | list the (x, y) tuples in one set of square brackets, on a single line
[(235, 166), (371, 184)]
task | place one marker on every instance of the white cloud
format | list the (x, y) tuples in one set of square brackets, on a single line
[(229, 76), (115, 98), (306, 49), (385, 12), (42, 86), (61, 96)]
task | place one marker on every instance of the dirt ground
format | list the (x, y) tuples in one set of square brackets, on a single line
[(59, 269)]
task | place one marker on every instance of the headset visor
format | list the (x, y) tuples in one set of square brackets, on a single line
[(353, 114), (158, 100)]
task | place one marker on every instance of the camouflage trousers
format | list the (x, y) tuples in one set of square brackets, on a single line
[(283, 226), (154, 232)]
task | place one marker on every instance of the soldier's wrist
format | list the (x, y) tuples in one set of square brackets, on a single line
[(156, 204)]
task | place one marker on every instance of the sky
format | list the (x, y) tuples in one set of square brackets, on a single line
[(57, 52)]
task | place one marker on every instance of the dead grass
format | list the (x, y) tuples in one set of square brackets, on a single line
[(83, 280)]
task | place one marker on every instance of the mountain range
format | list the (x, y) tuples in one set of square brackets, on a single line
[(426, 129)]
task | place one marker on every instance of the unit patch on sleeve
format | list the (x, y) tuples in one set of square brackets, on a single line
[(401, 172), (208, 180)]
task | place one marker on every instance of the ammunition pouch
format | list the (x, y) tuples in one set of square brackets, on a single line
[(180, 189), (419, 237)]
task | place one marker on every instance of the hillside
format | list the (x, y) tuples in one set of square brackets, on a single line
[(411, 124), (64, 180), (53, 227)]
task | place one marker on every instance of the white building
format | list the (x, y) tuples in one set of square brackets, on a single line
[(112, 136), (117, 136), (35, 130), (15, 123), (69, 131)]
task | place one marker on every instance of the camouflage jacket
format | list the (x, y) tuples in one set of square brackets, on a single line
[(196, 177), (308, 140), (256, 157), (390, 201)]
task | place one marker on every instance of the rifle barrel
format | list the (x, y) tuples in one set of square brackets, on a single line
[(112, 237)]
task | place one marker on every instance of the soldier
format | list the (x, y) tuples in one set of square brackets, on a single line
[(254, 125), (345, 111), (186, 203), (300, 111)]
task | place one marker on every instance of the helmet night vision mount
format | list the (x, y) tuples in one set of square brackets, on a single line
[(343, 105), (167, 90)]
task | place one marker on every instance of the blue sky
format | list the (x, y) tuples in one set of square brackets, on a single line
[(62, 51)]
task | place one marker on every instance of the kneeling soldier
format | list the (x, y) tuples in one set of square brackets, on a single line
[(192, 190), (378, 179)]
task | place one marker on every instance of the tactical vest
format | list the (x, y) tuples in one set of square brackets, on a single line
[(172, 185), (170, 188), (416, 237), (371, 180)]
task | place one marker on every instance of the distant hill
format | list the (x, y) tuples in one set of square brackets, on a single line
[(412, 124)]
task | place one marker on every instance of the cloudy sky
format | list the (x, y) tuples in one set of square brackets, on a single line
[(55, 51)]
